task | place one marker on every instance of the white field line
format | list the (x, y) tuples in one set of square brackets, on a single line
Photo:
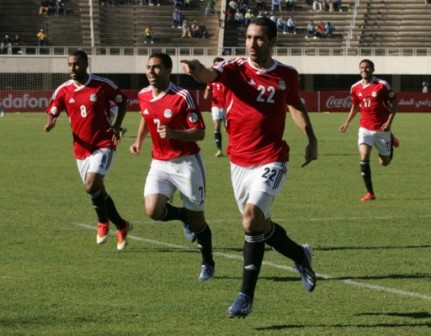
[(283, 267)]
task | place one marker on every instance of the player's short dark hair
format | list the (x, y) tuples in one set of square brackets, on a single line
[(370, 63), (271, 27), (81, 54), (218, 59), (166, 59)]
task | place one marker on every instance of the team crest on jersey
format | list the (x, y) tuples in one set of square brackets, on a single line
[(93, 98), (282, 84), (146, 111), (71, 101), (119, 98), (167, 113), (193, 117), (374, 94)]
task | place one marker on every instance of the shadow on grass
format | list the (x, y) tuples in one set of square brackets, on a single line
[(353, 248), (413, 315), (381, 277), (342, 326)]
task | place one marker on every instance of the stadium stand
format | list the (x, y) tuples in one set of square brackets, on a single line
[(361, 24)]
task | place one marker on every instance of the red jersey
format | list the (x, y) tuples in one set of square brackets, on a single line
[(218, 94), (374, 100), (87, 107), (256, 106), (176, 109)]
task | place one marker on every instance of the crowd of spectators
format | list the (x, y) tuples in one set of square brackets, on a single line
[(10, 45), (325, 5), (49, 7)]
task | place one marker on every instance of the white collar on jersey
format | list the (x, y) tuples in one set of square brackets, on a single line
[(262, 70)]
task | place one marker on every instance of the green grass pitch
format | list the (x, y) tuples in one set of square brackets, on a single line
[(372, 258)]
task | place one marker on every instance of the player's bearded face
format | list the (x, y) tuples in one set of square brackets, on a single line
[(257, 43), (77, 68)]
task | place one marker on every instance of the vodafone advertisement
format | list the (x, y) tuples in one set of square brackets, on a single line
[(316, 101)]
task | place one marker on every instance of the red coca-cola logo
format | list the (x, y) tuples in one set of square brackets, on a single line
[(339, 102)]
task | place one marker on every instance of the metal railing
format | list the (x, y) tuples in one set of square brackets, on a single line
[(214, 51)]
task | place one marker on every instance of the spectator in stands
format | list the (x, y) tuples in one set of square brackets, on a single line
[(290, 5), (177, 18), (282, 24), (179, 4), (425, 87), (276, 4), (291, 25), (239, 18), (6, 45), (187, 31), (337, 5), (16, 45), (44, 7), (194, 28), (320, 30), (317, 3), (210, 8), (273, 17), (60, 8), (154, 3), (311, 30), (148, 38), (203, 32), (234, 5), (41, 38), (187, 4), (248, 17), (329, 29)]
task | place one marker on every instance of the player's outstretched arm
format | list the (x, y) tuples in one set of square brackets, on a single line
[(198, 71)]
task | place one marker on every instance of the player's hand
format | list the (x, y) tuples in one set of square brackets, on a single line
[(191, 67), (135, 149), (343, 128), (165, 132), (116, 137), (50, 123), (310, 153)]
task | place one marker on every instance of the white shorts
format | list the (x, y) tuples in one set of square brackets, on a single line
[(258, 185), (218, 113), (379, 139), (100, 161), (185, 174)]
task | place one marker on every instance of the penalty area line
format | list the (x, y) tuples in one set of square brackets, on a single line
[(349, 282)]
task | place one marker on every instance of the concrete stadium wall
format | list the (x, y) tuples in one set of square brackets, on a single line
[(397, 65)]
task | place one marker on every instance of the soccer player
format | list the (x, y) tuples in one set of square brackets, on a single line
[(259, 91), (171, 116), (86, 99), (218, 110), (377, 103)]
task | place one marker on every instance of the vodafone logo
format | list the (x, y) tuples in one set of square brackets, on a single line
[(338, 102)]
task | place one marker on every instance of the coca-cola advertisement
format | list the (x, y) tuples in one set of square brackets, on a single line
[(315, 101)]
